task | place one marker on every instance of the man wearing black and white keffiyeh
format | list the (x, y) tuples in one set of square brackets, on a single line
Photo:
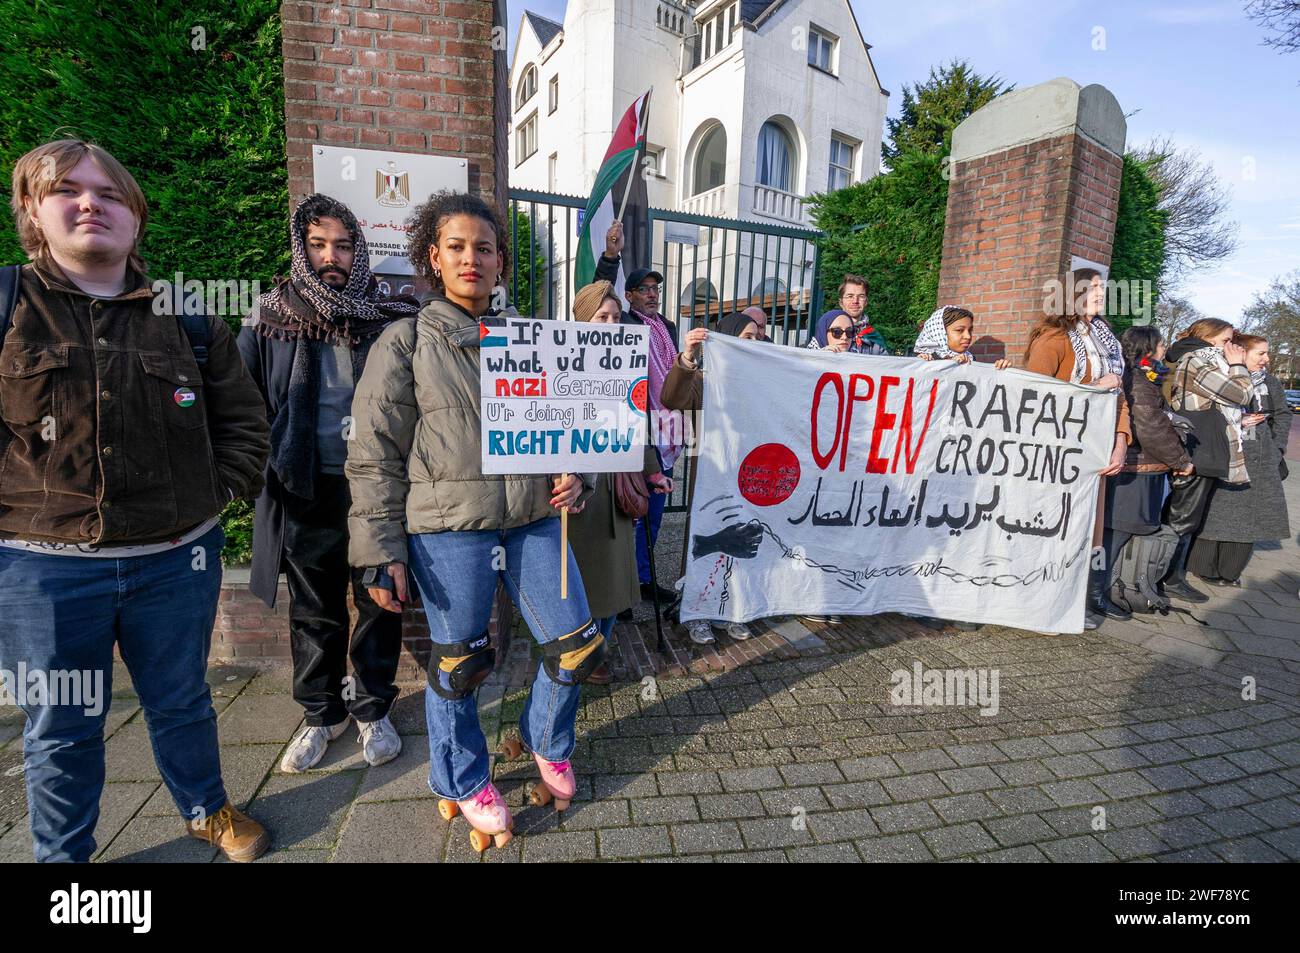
[(306, 346)]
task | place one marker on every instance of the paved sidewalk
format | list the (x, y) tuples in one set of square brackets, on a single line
[(805, 758)]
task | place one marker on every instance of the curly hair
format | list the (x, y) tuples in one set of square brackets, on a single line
[(318, 206), (428, 218)]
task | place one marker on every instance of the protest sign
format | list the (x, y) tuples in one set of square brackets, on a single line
[(841, 483), (562, 396)]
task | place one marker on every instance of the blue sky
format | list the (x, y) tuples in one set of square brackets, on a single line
[(1194, 71)]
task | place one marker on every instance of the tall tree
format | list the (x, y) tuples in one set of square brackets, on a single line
[(1281, 18), (1175, 314), (933, 109), (1198, 231), (1275, 314)]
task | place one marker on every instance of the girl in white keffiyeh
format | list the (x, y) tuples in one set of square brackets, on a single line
[(947, 335)]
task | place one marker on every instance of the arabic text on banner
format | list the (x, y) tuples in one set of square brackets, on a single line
[(840, 483), (562, 396)]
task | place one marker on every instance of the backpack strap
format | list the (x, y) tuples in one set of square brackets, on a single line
[(194, 321), (10, 276)]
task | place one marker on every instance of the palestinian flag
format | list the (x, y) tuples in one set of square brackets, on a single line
[(623, 159)]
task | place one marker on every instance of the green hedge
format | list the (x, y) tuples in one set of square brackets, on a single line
[(202, 129), (890, 230), (1139, 251)]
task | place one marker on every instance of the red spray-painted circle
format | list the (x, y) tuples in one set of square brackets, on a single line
[(768, 474)]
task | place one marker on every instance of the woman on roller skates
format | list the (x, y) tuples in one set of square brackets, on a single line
[(424, 514)]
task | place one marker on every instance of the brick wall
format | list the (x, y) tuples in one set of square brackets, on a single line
[(406, 75), (1014, 219), (247, 632)]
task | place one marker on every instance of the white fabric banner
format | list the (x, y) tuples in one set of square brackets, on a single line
[(854, 485)]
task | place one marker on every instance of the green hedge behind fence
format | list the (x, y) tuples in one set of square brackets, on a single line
[(888, 229), (1138, 255), (189, 95)]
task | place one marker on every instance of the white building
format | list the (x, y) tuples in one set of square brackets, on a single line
[(756, 104)]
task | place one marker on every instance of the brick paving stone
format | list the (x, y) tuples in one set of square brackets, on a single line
[(957, 840), (1071, 793), (1248, 850), (774, 832), (1182, 832), (966, 755), (842, 825), (1018, 773), (1028, 854), (750, 779), (1073, 850), (904, 848), (926, 760), (787, 800), (1234, 822), (706, 838), (900, 818), (879, 766), (663, 810), (633, 842), (1024, 829), (965, 807), (857, 794), (1285, 841), (560, 846), (1170, 777), (1124, 784), (1131, 844), (717, 807), (965, 780), (824, 854), (1072, 766), (1279, 812), (914, 787), (689, 782)]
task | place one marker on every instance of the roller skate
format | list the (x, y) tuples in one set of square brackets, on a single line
[(486, 813), (557, 781)]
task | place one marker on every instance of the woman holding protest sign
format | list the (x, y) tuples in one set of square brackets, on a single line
[(424, 512), (1078, 346), (603, 536), (684, 391)]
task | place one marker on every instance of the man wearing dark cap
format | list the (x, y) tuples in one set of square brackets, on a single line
[(306, 350), (642, 291)]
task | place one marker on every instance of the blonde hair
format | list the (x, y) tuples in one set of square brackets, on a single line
[(38, 172)]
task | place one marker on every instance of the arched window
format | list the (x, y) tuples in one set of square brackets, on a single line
[(527, 87), (710, 168), (775, 157), (769, 287), (699, 291)]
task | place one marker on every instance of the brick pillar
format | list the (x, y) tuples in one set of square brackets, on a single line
[(1034, 184), (403, 75)]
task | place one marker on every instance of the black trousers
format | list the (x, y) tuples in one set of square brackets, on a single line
[(1211, 559), (1184, 512), (315, 565)]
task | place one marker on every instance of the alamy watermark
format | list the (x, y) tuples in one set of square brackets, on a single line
[(219, 298), (38, 687), (946, 686)]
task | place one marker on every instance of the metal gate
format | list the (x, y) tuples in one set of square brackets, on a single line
[(711, 266)]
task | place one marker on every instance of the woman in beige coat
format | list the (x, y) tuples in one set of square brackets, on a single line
[(603, 535)]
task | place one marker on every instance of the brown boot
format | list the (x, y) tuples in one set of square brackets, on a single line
[(234, 833)]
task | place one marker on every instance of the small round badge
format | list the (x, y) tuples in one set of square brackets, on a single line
[(184, 397)]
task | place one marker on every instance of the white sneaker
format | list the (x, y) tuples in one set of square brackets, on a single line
[(699, 632), (308, 747), (737, 630), (380, 742)]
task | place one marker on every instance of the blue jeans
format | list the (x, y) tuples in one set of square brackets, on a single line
[(457, 582), (655, 515), (65, 613), (606, 625)]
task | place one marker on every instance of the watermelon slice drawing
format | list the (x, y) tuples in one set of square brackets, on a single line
[(638, 395)]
